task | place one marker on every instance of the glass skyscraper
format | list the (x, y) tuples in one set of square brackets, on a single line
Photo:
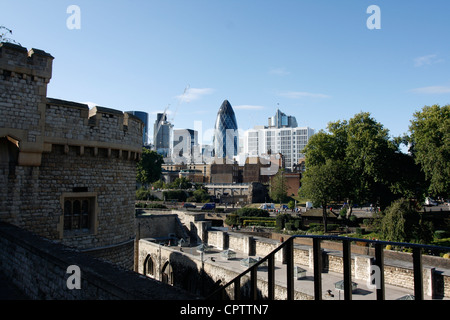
[(226, 139), (144, 117)]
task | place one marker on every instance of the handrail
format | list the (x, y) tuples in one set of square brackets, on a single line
[(289, 245), (266, 258)]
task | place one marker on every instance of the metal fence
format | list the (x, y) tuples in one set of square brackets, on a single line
[(288, 248)]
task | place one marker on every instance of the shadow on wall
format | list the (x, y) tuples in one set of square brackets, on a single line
[(184, 273)]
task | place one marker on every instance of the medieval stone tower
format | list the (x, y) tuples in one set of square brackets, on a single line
[(67, 172)]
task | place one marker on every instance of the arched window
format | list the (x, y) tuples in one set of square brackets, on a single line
[(149, 266), (167, 273)]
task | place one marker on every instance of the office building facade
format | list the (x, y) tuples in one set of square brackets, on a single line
[(162, 135), (289, 142)]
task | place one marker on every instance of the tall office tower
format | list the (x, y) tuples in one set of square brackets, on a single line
[(281, 120), (144, 117), (288, 141), (184, 142), (162, 135), (226, 138)]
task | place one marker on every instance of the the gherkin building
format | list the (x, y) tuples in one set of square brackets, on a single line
[(226, 137)]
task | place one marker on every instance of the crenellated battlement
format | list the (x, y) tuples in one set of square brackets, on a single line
[(36, 122), (74, 124), (20, 61)]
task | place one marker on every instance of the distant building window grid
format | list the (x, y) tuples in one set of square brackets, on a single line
[(289, 142)]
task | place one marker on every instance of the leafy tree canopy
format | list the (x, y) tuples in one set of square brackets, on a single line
[(148, 169), (357, 160), (403, 223), (278, 187), (430, 138)]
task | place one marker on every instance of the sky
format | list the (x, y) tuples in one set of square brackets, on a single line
[(317, 60)]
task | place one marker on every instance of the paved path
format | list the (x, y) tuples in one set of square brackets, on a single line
[(306, 284)]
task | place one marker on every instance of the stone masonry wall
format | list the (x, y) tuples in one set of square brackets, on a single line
[(52, 150), (38, 267)]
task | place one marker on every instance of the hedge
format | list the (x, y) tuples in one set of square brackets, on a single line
[(264, 223)]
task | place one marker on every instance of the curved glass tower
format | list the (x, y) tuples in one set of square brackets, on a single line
[(226, 137)]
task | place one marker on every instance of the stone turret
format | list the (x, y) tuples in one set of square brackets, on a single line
[(24, 76), (67, 172)]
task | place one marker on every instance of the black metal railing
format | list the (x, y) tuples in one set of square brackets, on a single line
[(288, 247)]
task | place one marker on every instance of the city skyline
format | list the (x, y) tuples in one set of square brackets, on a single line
[(315, 60)]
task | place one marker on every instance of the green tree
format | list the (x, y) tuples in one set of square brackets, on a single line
[(201, 195), (278, 187), (324, 183), (148, 169), (372, 163), (403, 223), (159, 184), (181, 183), (430, 138)]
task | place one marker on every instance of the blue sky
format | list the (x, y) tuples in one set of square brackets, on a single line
[(315, 60)]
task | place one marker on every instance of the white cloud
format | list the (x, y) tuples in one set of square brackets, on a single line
[(427, 60), (432, 90), (302, 94), (248, 107), (279, 71), (192, 94)]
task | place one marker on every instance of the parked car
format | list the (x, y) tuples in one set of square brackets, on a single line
[(189, 205), (267, 206), (430, 202), (209, 206)]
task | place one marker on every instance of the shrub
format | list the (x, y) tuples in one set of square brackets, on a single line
[(232, 219), (315, 227), (263, 223), (179, 195), (155, 206), (290, 226), (252, 212), (440, 234), (332, 227), (291, 204), (142, 194)]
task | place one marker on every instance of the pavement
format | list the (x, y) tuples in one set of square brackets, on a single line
[(306, 284)]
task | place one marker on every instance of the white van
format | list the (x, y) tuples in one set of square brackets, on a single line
[(430, 202)]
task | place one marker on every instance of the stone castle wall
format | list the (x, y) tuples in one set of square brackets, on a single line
[(38, 267), (59, 156)]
